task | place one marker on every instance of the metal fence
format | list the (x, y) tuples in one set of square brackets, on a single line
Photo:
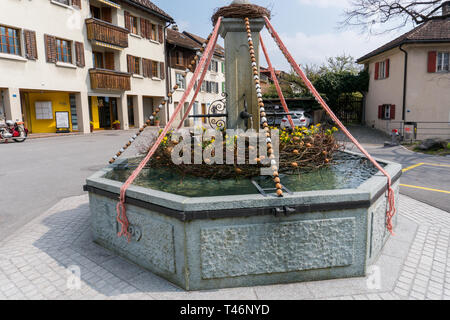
[(413, 131)]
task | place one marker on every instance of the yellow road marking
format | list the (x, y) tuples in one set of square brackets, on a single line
[(426, 164), (423, 188), (413, 167), (437, 165)]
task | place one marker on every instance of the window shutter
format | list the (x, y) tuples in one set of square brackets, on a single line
[(143, 28), (162, 71), (127, 20), (130, 64), (145, 68), (109, 61), (76, 3), (223, 67), (388, 66), (161, 34), (107, 14), (377, 70), (432, 61), (79, 54), (50, 48), (380, 112), (392, 111), (223, 86), (30, 45)]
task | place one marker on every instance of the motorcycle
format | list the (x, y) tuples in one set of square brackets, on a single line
[(13, 130)]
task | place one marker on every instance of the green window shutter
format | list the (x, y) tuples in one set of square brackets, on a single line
[(223, 67), (223, 86)]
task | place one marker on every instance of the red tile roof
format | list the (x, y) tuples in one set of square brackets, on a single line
[(182, 40), (219, 49), (435, 30), (152, 7)]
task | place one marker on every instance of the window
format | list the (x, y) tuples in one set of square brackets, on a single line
[(204, 86), (154, 35), (181, 81), (43, 110), (137, 65), (382, 70), (386, 112), (134, 24), (66, 2), (95, 12), (63, 50), (9, 40), (155, 69), (214, 66), (98, 59), (443, 62), (179, 58)]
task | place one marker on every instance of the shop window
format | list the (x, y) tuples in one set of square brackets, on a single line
[(73, 112), (9, 40), (43, 110)]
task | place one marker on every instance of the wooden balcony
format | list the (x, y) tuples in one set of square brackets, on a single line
[(102, 79), (105, 32)]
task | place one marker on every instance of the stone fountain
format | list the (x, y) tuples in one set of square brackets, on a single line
[(245, 240)]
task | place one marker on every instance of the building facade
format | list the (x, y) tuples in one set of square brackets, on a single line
[(81, 63), (409, 85), (181, 49)]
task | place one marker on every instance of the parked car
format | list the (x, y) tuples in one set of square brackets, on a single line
[(300, 119)]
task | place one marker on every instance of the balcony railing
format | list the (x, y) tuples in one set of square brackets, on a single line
[(109, 80), (99, 30)]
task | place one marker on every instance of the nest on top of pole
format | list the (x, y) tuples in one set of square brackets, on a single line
[(235, 10)]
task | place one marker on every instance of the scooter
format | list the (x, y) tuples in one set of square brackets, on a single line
[(13, 130)]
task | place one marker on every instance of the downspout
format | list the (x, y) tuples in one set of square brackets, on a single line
[(405, 78), (168, 76)]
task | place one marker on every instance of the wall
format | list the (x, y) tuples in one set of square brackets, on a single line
[(428, 94), (60, 102)]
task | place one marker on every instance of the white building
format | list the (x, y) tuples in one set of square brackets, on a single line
[(82, 62), (181, 50)]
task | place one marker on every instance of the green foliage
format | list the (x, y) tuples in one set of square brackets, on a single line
[(339, 76)]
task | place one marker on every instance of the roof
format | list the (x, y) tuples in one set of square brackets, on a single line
[(434, 30), (220, 51), (151, 7), (180, 39)]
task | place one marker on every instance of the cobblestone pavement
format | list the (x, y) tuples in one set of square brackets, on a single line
[(38, 261)]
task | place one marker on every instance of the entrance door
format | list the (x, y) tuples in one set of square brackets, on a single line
[(130, 111), (104, 113)]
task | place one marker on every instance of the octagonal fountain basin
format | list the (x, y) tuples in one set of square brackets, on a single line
[(207, 234)]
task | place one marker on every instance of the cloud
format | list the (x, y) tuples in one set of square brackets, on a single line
[(315, 49), (326, 3)]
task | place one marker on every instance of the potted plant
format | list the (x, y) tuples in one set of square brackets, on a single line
[(116, 125), (157, 122), (92, 126)]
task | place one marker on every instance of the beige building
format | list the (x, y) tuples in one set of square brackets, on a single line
[(409, 85), (81, 63), (181, 50)]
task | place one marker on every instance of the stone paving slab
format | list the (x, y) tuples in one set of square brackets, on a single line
[(43, 259)]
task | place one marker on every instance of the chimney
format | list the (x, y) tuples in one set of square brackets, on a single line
[(446, 8), (175, 28)]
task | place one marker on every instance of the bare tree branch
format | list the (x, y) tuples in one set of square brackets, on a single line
[(381, 16)]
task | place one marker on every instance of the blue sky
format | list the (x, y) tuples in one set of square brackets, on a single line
[(308, 27)]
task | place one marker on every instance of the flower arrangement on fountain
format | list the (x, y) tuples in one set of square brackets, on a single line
[(300, 150)]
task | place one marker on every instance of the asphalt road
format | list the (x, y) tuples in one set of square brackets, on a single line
[(36, 174), (426, 178)]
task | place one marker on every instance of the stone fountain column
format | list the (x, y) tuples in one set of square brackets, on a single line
[(240, 85)]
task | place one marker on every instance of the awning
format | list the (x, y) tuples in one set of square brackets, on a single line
[(110, 3), (107, 45)]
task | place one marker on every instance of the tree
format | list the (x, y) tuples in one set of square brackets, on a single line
[(341, 64), (390, 14)]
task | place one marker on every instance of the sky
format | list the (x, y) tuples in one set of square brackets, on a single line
[(309, 28)]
